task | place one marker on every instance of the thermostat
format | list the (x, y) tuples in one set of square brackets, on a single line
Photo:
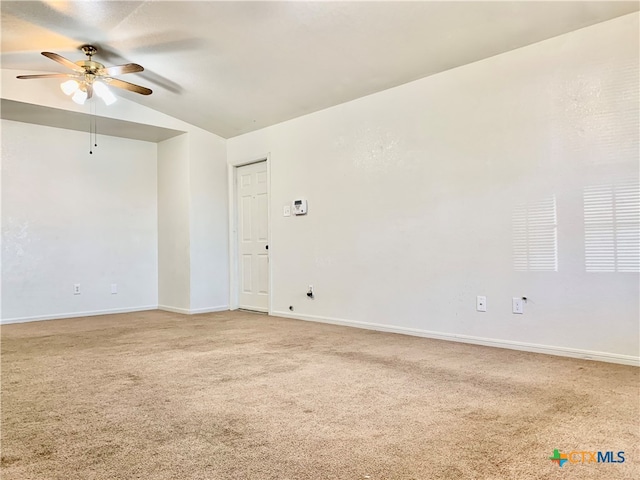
[(299, 207)]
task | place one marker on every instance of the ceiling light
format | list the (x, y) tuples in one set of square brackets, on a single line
[(79, 97), (69, 87), (104, 93)]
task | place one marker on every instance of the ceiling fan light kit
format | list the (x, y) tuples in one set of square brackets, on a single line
[(104, 93), (69, 87), (80, 96)]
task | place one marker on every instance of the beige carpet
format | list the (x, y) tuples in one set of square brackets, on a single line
[(235, 395)]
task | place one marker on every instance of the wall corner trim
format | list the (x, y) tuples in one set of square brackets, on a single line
[(489, 342)]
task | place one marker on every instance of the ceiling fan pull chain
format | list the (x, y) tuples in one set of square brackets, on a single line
[(91, 105), (95, 125)]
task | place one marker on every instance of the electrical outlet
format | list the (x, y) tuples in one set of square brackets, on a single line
[(517, 305), (114, 288), (76, 289), (481, 303)]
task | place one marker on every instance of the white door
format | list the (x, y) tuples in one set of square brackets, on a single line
[(253, 248)]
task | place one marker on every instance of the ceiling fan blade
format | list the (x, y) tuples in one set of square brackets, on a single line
[(114, 57), (128, 86), (67, 63), (47, 75), (121, 69)]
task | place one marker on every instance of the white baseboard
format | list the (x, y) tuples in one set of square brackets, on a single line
[(219, 308), (489, 342), (193, 311), (91, 313), (167, 308)]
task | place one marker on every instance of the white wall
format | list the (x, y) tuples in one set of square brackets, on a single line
[(173, 224), (71, 217), (412, 192), (192, 220), (209, 260)]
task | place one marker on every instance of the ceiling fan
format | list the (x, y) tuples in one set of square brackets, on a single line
[(89, 76)]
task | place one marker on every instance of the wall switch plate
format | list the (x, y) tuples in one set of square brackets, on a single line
[(481, 303), (114, 288), (517, 305), (286, 211), (76, 289)]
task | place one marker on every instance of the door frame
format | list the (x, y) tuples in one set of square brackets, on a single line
[(234, 276)]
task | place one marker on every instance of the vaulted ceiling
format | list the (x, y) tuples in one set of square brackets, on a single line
[(233, 67)]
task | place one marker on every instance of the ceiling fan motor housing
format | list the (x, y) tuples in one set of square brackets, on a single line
[(90, 66)]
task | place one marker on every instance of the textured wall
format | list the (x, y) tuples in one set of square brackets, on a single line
[(69, 217), (476, 181), (209, 219), (173, 223)]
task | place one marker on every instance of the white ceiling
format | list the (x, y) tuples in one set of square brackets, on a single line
[(233, 67)]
